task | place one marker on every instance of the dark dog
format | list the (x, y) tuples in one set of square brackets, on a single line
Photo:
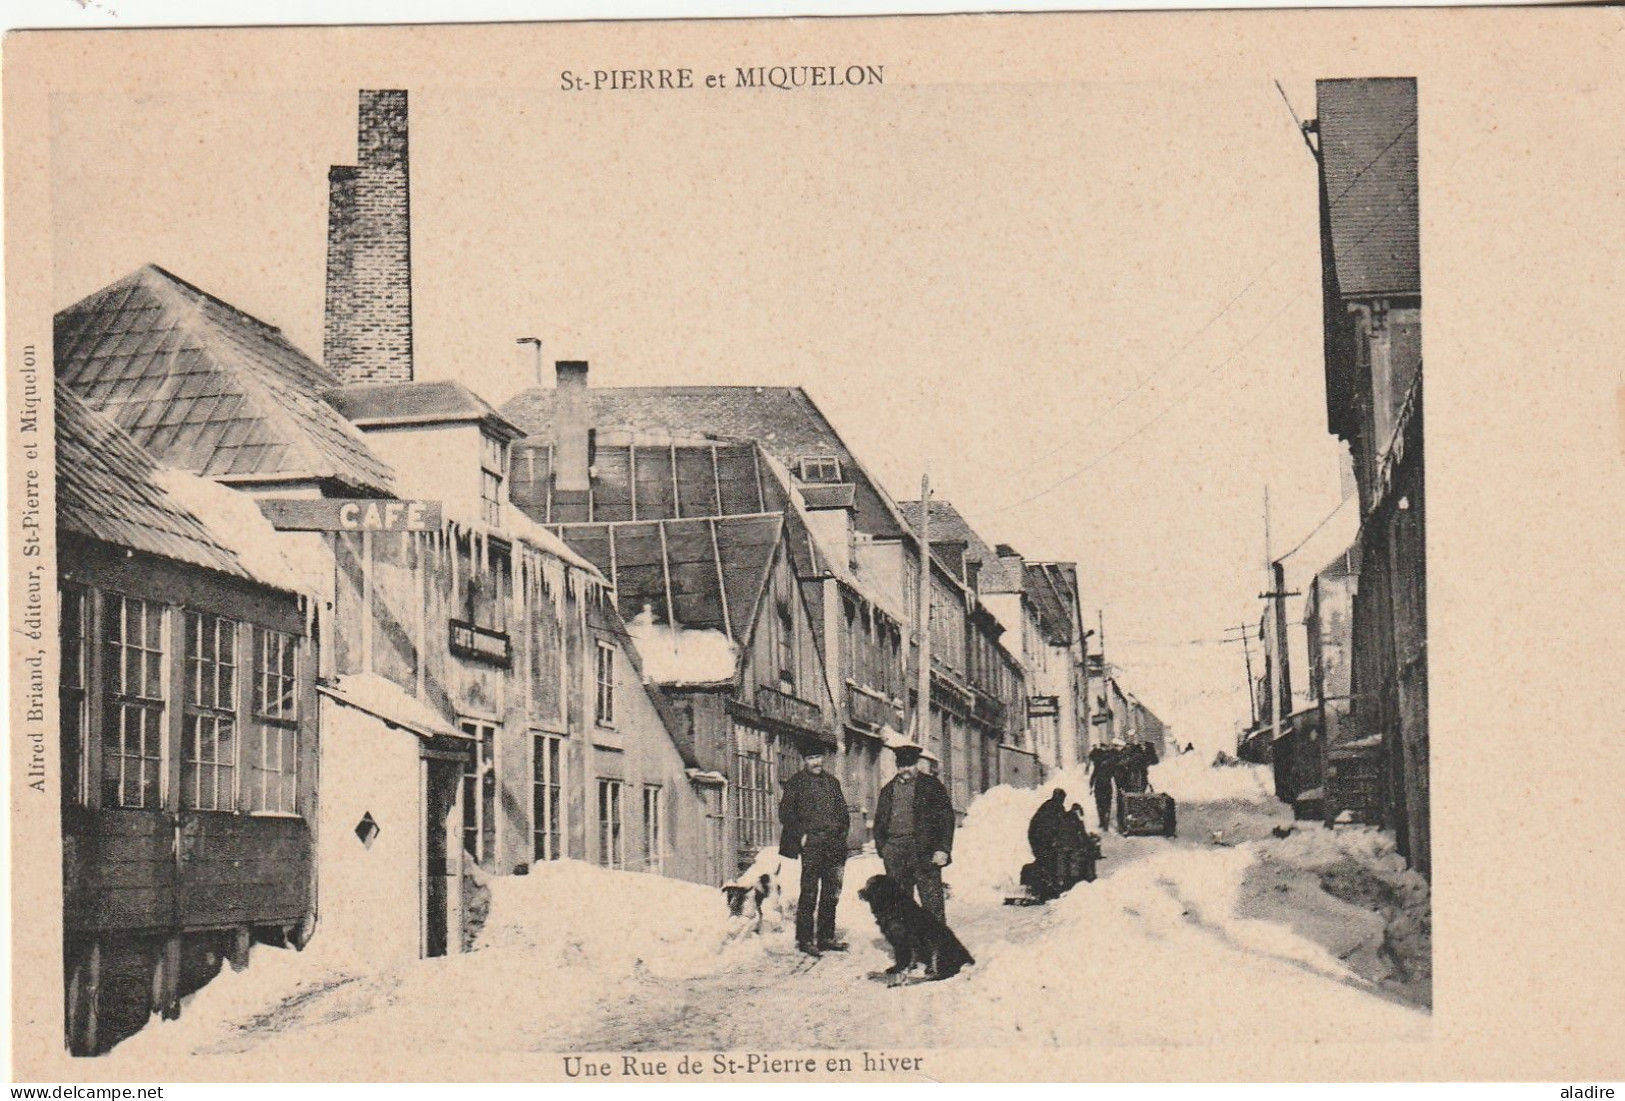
[(914, 935)]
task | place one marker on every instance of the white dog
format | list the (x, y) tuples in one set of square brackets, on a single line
[(756, 899)]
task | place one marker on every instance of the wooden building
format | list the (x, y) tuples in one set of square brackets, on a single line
[(1373, 343), (189, 743), (479, 691), (679, 453)]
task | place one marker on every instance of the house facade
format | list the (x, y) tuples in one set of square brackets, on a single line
[(683, 452), (1373, 344), (188, 737), (475, 670)]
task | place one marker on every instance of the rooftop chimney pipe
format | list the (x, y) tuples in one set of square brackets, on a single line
[(571, 426)]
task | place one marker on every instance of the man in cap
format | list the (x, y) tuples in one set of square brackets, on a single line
[(814, 816), (914, 830)]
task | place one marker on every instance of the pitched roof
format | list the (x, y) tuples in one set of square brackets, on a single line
[(704, 573), (1368, 169), (996, 575), (1053, 589), (207, 388), (636, 479), (403, 403), (783, 419), (106, 491)]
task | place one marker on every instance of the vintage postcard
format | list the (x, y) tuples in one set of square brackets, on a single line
[(817, 550)]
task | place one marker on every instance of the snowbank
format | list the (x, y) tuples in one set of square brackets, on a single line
[(296, 561), (673, 654), (569, 914)]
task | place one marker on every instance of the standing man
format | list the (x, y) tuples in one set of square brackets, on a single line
[(1102, 767), (914, 830), (815, 823)]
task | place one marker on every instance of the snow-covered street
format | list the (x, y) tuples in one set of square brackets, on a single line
[(1225, 932)]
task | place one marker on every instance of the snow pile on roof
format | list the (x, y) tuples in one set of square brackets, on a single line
[(674, 654), (389, 701), (296, 561)]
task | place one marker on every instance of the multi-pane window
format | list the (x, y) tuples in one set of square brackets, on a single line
[(611, 847), (654, 840), (276, 675), (755, 788), (547, 796), (271, 752), (273, 769), (785, 644), (75, 725), (479, 792), (208, 757), (604, 701), (132, 736), (821, 468), (491, 470)]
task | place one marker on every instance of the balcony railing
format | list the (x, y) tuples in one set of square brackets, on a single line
[(868, 709), (787, 709)]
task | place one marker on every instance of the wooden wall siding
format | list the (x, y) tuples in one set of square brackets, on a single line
[(235, 870), (118, 869)]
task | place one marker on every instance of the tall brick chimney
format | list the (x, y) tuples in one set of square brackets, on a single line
[(572, 426), (368, 326)]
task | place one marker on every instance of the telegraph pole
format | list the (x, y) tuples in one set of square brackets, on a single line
[(1276, 635), (922, 706), (1247, 655)]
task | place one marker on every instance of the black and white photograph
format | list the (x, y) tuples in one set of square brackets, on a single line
[(781, 547)]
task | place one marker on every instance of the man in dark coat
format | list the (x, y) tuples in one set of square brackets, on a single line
[(914, 830), (1102, 771), (1044, 837), (814, 816)]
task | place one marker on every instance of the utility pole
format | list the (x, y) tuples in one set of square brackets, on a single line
[(922, 618), (1105, 679), (1243, 633), (1276, 635)]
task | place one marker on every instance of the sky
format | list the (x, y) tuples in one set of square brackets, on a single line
[(1090, 310)]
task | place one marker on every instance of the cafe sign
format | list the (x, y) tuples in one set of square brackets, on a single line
[(359, 514)]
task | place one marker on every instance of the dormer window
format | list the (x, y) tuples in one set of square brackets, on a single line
[(821, 469), (493, 465)]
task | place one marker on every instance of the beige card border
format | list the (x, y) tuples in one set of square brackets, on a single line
[(1523, 257)]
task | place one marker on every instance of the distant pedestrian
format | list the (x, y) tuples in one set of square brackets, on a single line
[(1102, 771), (914, 830), (814, 816)]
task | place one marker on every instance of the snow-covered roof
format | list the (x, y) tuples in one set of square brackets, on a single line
[(108, 490), (296, 561), (387, 700)]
